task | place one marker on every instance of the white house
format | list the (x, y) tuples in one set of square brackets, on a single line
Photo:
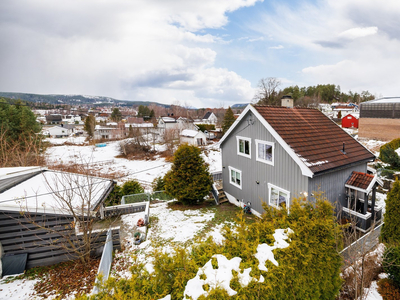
[(193, 137), (176, 123), (209, 118), (59, 131)]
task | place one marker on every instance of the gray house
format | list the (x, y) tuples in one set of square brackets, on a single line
[(275, 154)]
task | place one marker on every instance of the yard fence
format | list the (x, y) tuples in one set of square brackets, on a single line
[(19, 235)]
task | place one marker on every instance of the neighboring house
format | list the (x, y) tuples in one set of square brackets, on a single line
[(349, 121), (54, 119), (32, 215), (60, 131), (193, 137), (275, 154), (144, 128), (380, 119), (175, 123), (344, 110), (108, 133), (209, 118)]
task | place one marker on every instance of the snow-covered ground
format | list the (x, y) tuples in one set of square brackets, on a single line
[(170, 226)]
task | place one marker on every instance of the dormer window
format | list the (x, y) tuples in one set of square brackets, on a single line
[(243, 146)]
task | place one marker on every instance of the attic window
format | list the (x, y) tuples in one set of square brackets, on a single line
[(265, 152), (243, 146)]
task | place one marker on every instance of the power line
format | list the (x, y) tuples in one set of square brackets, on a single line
[(129, 174)]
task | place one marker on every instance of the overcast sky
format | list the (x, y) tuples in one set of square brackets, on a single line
[(202, 53)]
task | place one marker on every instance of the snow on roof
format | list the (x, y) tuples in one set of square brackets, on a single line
[(189, 133), (384, 100), (142, 125), (44, 192), (17, 171)]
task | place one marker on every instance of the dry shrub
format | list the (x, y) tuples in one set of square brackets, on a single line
[(388, 290), (26, 151), (84, 169), (366, 272)]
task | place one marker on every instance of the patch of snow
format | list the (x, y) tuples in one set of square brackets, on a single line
[(220, 277), (179, 226), (17, 289), (264, 251)]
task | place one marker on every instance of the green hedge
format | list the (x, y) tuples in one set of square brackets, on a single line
[(308, 269)]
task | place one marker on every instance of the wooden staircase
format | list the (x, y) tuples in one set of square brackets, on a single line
[(221, 196)]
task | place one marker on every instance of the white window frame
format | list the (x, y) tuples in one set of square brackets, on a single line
[(270, 187), (273, 152), (234, 182), (238, 138)]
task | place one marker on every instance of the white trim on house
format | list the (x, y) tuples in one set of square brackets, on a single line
[(304, 169), (272, 186), (234, 183), (265, 161), (238, 138)]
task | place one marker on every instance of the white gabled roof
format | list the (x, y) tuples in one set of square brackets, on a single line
[(303, 167), (189, 133)]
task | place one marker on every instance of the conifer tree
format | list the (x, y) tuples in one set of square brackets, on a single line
[(189, 179), (391, 229), (229, 119), (116, 115), (90, 123)]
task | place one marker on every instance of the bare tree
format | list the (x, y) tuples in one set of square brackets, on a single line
[(267, 93), (361, 266), (74, 195)]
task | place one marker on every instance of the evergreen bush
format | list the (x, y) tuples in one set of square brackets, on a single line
[(388, 155), (128, 188), (189, 180), (390, 233)]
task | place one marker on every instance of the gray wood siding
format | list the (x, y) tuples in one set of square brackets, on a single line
[(285, 173), (332, 184), (18, 235)]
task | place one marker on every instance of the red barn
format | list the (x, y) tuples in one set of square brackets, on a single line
[(349, 121)]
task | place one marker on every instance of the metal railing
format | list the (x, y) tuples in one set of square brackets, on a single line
[(215, 193), (135, 198), (105, 262), (161, 195), (217, 175)]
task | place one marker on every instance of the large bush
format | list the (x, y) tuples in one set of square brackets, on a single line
[(189, 179), (308, 269), (388, 155), (128, 188), (391, 229)]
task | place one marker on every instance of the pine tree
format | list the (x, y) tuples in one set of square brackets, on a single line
[(391, 229), (116, 115), (229, 119), (90, 123), (189, 179)]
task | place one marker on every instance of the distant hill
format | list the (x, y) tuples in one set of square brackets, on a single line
[(239, 105), (76, 99)]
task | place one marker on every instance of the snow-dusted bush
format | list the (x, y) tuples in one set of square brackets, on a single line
[(307, 268)]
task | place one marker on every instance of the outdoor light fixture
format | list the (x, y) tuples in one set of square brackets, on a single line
[(257, 182)]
